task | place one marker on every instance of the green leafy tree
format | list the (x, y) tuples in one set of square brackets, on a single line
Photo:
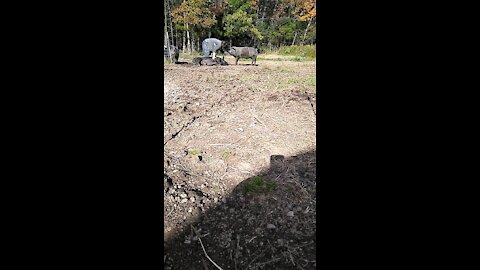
[(239, 24), (248, 6)]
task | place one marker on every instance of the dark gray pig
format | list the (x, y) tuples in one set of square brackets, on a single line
[(204, 61), (197, 60), (244, 52), (211, 45), (221, 61), (201, 60), (208, 61), (173, 51)]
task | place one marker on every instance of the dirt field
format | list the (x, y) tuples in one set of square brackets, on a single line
[(240, 165)]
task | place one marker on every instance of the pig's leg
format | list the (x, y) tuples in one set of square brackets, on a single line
[(236, 60), (213, 55)]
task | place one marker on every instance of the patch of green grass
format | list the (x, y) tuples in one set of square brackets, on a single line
[(306, 51), (188, 56), (298, 50), (193, 153), (276, 59), (298, 59), (294, 81), (312, 81), (257, 184), (286, 59), (226, 155)]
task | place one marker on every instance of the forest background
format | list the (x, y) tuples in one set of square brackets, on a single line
[(271, 25)]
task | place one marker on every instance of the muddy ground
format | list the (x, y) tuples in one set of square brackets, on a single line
[(240, 165)]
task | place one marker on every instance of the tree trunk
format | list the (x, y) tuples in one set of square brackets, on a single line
[(176, 37), (306, 29), (184, 49), (193, 41), (166, 37), (274, 9), (171, 25), (293, 42), (264, 9), (189, 41)]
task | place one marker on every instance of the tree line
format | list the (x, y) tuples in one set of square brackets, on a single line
[(267, 24)]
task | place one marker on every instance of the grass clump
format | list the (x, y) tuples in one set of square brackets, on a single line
[(227, 154), (310, 81), (257, 184), (194, 153), (301, 52)]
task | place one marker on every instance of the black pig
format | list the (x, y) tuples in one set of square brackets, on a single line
[(208, 61), (173, 51)]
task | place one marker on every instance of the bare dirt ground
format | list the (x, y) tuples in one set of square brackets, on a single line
[(240, 166)]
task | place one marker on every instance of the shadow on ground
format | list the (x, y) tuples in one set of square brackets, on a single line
[(266, 222)]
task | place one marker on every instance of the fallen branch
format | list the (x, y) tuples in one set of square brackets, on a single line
[(205, 252), (183, 127), (255, 258), (311, 103)]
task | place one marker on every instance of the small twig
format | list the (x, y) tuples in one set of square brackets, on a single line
[(271, 247), (307, 262), (274, 260), (291, 257), (260, 121), (311, 103), (277, 177), (304, 245), (288, 168), (255, 258), (248, 242), (190, 173), (205, 252)]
